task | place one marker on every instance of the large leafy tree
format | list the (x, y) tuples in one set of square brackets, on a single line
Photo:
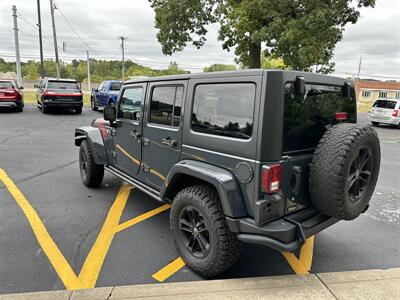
[(303, 33)]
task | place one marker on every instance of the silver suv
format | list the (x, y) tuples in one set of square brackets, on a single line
[(385, 111)]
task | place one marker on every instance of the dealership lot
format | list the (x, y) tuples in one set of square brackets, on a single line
[(55, 233)]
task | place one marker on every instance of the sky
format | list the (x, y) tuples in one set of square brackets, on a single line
[(99, 23)]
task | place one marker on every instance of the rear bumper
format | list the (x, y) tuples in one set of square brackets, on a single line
[(285, 234), (391, 121), (63, 103), (12, 104)]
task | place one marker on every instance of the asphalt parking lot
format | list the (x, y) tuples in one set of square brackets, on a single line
[(55, 233)]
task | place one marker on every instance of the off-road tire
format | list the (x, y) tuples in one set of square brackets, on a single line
[(94, 174), (224, 247), (333, 160), (375, 123)]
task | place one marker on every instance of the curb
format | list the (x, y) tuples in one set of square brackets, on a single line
[(365, 284)]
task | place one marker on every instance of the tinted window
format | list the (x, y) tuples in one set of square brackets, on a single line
[(5, 85), (307, 117), (115, 86), (166, 105), (224, 109), (385, 104), (62, 85), (131, 104)]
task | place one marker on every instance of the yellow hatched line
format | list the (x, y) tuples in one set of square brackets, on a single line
[(169, 270), (302, 265), (134, 160), (49, 247), (95, 259), (142, 217)]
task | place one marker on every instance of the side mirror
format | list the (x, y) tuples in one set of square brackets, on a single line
[(110, 114), (21, 87), (36, 86), (300, 86)]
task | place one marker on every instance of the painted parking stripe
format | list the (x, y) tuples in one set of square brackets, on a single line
[(169, 270), (301, 266), (94, 261)]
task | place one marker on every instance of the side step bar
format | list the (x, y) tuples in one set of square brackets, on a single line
[(141, 186)]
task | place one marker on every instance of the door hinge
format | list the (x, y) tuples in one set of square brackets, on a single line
[(113, 132), (146, 142), (114, 154), (146, 169)]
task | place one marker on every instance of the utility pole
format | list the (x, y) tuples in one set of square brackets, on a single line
[(359, 68), (17, 54), (39, 25), (88, 70), (123, 39), (55, 37)]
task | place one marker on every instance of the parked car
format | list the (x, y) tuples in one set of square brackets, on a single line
[(385, 111), (11, 95), (59, 93), (256, 156), (105, 94)]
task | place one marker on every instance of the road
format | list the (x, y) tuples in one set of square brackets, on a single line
[(56, 234)]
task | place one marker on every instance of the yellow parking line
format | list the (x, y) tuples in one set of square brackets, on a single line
[(49, 247), (142, 217), (94, 261), (169, 270), (302, 265)]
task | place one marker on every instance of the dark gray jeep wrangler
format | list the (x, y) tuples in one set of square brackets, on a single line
[(263, 157)]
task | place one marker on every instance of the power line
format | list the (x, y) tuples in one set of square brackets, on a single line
[(73, 29)]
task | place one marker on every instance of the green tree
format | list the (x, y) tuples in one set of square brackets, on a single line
[(219, 68), (270, 62), (303, 32)]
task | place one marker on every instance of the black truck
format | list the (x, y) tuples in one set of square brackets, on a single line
[(258, 156), (53, 93)]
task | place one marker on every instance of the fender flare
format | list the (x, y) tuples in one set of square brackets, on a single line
[(95, 140), (223, 180)]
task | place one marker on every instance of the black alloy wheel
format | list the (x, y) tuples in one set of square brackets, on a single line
[(359, 174)]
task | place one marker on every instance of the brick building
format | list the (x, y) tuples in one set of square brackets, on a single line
[(370, 90)]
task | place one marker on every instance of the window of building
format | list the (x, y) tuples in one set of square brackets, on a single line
[(166, 105), (382, 94), (366, 94), (224, 109), (131, 104), (397, 95)]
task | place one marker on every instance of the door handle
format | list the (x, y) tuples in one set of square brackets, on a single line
[(169, 142), (134, 134)]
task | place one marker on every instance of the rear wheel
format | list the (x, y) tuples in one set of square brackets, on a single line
[(92, 174), (78, 110), (375, 123), (20, 107), (200, 232), (44, 109)]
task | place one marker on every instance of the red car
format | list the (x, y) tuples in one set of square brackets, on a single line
[(11, 95)]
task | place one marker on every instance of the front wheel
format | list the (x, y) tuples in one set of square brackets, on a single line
[(200, 232), (92, 174), (93, 105)]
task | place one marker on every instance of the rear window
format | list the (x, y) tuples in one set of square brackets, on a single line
[(306, 117), (5, 85), (385, 104), (224, 109), (115, 86), (62, 85)]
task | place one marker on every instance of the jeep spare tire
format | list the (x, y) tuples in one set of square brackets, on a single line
[(344, 170)]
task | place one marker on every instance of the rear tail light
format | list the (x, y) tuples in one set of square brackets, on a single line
[(395, 113), (271, 179), (341, 116), (10, 93)]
